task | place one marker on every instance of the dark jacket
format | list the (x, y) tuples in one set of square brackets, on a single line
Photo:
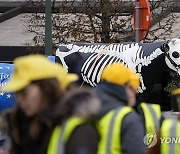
[(113, 96), (142, 117), (84, 139), (21, 141)]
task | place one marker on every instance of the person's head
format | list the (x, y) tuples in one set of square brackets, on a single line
[(175, 99), (118, 74), (37, 83), (38, 95), (81, 102)]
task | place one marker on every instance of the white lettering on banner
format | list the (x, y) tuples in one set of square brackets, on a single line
[(4, 76), (3, 79), (2, 84)]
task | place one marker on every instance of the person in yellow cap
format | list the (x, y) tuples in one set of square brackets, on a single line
[(39, 85), (167, 137), (119, 126), (175, 99), (150, 114), (37, 67)]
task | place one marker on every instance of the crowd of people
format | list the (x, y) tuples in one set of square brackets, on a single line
[(54, 115)]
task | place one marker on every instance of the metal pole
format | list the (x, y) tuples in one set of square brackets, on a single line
[(137, 35), (48, 29)]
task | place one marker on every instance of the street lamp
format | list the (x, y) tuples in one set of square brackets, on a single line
[(48, 29)]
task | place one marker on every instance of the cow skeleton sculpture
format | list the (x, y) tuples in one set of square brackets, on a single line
[(148, 60)]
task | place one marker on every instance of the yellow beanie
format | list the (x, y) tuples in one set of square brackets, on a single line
[(117, 73), (176, 92), (36, 67)]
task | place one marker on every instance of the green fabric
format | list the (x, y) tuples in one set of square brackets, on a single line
[(166, 132), (111, 143), (70, 125), (177, 146), (150, 124), (53, 144)]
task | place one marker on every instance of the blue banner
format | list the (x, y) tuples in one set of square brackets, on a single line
[(7, 99)]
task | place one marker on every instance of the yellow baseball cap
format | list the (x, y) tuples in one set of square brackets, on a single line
[(64, 78), (175, 91), (36, 67), (117, 73)]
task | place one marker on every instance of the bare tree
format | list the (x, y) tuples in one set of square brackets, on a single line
[(84, 26), (163, 20), (97, 21)]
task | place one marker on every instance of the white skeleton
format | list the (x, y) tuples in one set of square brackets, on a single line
[(131, 55)]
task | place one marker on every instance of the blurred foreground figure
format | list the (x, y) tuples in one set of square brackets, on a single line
[(167, 139), (151, 117), (77, 133), (119, 126), (39, 86)]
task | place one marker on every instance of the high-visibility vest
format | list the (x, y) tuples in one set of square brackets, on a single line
[(109, 128), (170, 137), (61, 135), (152, 116)]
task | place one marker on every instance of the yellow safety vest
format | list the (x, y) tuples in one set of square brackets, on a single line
[(62, 133), (109, 128), (170, 137), (152, 116)]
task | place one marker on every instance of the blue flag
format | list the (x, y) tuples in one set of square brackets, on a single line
[(7, 99)]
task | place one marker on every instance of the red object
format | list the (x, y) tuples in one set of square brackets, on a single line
[(145, 15)]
